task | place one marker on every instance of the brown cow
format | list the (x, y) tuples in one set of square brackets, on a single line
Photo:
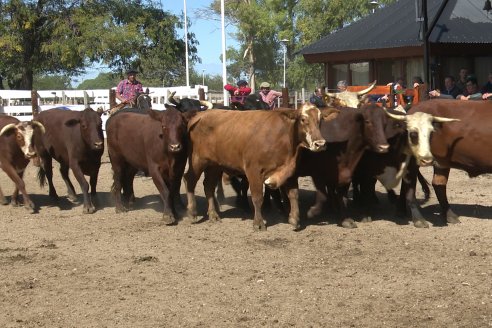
[(15, 152), (155, 144), (75, 139), (462, 145), (262, 145)]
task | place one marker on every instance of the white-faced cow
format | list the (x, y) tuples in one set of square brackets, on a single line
[(463, 145), (74, 139), (16, 150)]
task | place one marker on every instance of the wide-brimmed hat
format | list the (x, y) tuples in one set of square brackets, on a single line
[(131, 71), (264, 85), (242, 82)]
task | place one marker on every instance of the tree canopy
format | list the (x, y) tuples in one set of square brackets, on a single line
[(262, 24), (65, 36)]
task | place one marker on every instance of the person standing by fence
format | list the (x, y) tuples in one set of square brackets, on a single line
[(269, 96)]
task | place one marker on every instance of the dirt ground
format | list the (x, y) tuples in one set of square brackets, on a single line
[(61, 268)]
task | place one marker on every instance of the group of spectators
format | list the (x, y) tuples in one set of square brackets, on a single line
[(242, 90), (466, 88)]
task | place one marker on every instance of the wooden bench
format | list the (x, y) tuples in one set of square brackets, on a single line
[(417, 94)]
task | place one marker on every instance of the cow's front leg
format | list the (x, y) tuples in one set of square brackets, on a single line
[(195, 169), (19, 185), (47, 167), (320, 198), (84, 186), (439, 182), (407, 195), (212, 177), (292, 188), (167, 213)]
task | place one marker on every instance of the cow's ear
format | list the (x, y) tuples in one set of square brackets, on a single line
[(155, 114), (72, 122)]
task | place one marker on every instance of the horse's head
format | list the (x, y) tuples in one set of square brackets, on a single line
[(143, 102)]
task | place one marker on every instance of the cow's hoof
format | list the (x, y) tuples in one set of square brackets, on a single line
[(54, 196), (214, 217), (349, 224), (89, 210), (259, 227), (420, 224), (72, 198), (366, 219), (168, 219), (4, 201), (120, 209), (29, 206), (14, 202), (313, 212), (294, 222), (452, 218)]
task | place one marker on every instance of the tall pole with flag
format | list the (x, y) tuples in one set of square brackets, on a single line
[(186, 45), (224, 67)]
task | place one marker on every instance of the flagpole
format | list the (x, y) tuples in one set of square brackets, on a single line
[(224, 67), (186, 45)]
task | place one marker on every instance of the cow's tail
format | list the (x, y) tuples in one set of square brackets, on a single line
[(41, 176), (425, 186)]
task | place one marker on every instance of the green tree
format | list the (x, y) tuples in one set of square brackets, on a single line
[(52, 82), (102, 81), (65, 36)]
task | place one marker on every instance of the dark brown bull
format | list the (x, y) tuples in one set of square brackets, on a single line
[(154, 143), (348, 136), (262, 145), (464, 145), (74, 139), (15, 152)]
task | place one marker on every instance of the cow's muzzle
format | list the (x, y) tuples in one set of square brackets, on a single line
[(425, 161), (382, 148), (98, 144), (175, 147), (318, 145)]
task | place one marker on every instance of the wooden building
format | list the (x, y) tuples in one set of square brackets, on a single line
[(389, 43)]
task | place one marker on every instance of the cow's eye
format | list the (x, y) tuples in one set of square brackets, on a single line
[(304, 120), (414, 138), (19, 137)]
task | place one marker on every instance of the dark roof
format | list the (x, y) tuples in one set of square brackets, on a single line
[(394, 26)]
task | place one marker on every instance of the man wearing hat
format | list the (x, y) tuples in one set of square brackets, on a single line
[(238, 93), (267, 95), (127, 90)]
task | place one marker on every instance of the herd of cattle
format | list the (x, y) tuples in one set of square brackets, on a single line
[(337, 146)]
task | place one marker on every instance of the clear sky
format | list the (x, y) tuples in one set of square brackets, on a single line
[(207, 32)]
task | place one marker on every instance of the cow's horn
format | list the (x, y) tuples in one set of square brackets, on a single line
[(207, 104), (396, 117), (172, 100), (39, 124), (331, 94), (362, 92), (444, 119), (6, 128)]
